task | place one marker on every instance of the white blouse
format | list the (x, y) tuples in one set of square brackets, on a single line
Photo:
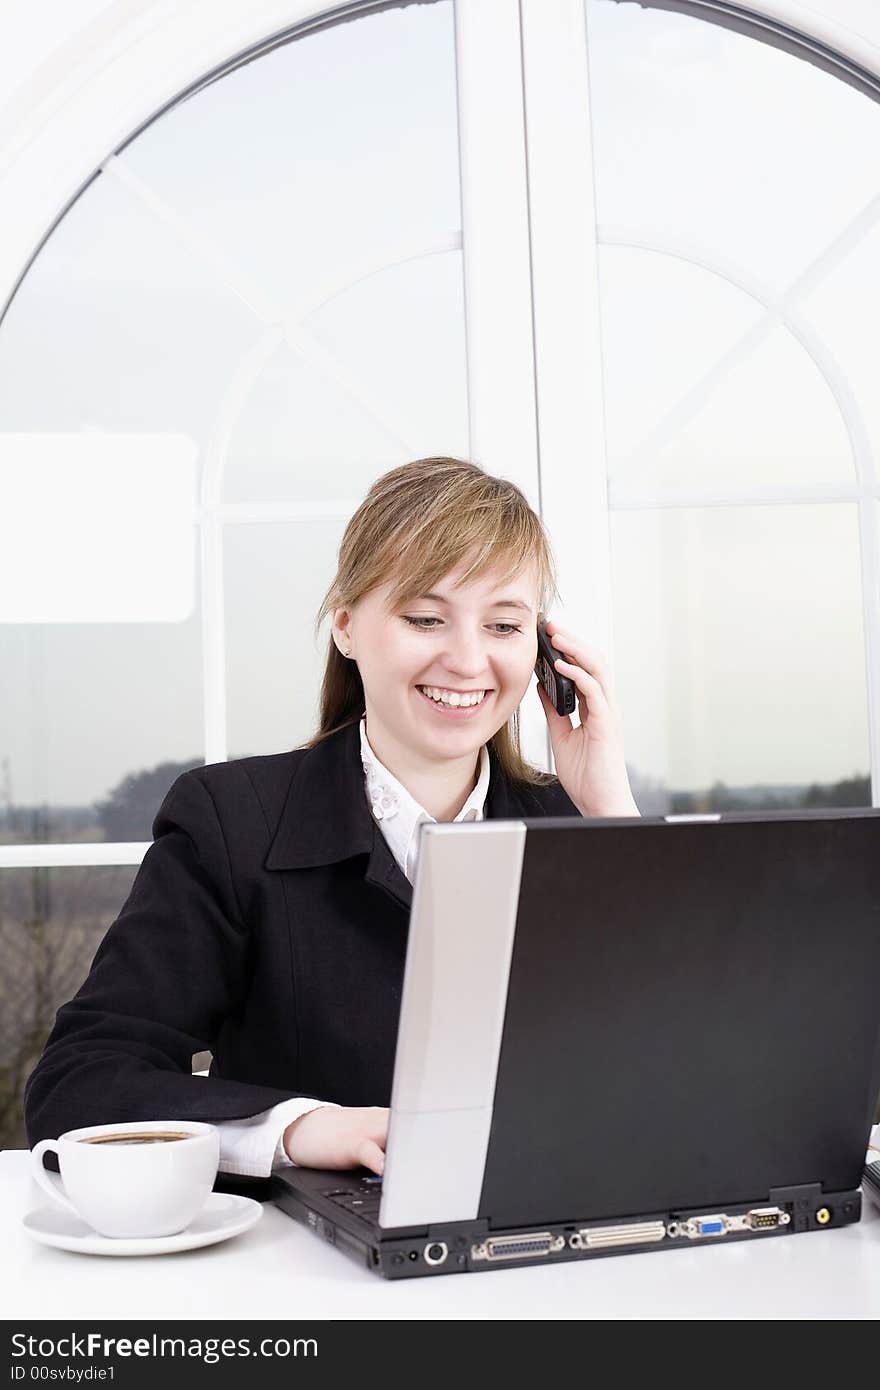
[(253, 1146)]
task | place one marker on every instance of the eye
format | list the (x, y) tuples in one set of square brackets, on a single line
[(417, 623)]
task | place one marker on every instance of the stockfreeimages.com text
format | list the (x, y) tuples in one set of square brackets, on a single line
[(208, 1349)]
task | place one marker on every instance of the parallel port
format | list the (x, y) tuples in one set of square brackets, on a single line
[(517, 1247)]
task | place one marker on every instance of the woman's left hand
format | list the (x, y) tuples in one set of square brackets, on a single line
[(589, 759)]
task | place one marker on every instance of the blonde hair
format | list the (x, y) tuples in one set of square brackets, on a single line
[(417, 523)]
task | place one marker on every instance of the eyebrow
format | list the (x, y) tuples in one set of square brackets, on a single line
[(496, 603)]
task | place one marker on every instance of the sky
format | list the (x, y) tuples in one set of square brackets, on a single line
[(320, 185)]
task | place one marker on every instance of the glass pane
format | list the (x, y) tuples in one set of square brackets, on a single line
[(760, 199), (51, 923), (331, 156), (688, 406), (740, 657), (386, 384), (326, 173), (118, 327), (276, 576), (96, 721)]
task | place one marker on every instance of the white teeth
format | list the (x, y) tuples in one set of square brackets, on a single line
[(452, 697)]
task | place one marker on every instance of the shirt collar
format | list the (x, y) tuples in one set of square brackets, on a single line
[(399, 814)]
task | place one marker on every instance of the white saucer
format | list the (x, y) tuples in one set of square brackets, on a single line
[(222, 1216)]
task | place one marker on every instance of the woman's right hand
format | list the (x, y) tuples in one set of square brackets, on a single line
[(339, 1136)]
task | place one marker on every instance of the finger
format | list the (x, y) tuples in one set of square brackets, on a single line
[(589, 685), (588, 658), (591, 696), (581, 653), (370, 1156), (563, 638)]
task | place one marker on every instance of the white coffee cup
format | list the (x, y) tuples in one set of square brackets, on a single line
[(143, 1178)]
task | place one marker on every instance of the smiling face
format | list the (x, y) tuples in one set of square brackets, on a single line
[(452, 642)]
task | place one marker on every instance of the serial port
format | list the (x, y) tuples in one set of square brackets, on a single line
[(766, 1218)]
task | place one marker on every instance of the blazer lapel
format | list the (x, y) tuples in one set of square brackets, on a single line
[(325, 818)]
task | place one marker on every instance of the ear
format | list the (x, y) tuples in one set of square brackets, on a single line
[(341, 630)]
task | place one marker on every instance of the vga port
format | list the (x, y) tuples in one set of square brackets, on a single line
[(517, 1247), (700, 1227), (708, 1226)]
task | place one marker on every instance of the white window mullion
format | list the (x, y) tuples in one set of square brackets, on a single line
[(213, 640), (571, 428), (495, 240), (61, 856), (869, 527), (497, 278), (210, 520)]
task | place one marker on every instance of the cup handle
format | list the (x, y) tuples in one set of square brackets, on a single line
[(46, 1180)]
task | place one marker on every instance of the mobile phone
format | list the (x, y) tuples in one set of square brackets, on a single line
[(561, 689)]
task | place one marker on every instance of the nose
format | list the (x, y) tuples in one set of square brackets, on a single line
[(465, 655)]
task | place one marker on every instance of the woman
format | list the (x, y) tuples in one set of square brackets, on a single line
[(268, 920)]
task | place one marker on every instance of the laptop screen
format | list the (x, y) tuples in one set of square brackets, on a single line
[(665, 1014)]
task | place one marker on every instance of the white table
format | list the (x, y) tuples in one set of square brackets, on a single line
[(278, 1269)]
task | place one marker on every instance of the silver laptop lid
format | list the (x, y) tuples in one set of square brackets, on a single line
[(462, 926)]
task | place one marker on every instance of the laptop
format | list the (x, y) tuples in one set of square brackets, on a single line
[(622, 1035)]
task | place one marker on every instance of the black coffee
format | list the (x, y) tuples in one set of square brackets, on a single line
[(155, 1136)]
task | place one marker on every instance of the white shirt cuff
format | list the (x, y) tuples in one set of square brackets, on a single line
[(254, 1146)]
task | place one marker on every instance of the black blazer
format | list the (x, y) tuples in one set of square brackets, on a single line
[(267, 924)]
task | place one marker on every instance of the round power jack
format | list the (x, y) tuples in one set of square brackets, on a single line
[(436, 1252), (823, 1216), (414, 1254)]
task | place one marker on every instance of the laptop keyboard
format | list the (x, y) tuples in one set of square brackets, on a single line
[(360, 1196)]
